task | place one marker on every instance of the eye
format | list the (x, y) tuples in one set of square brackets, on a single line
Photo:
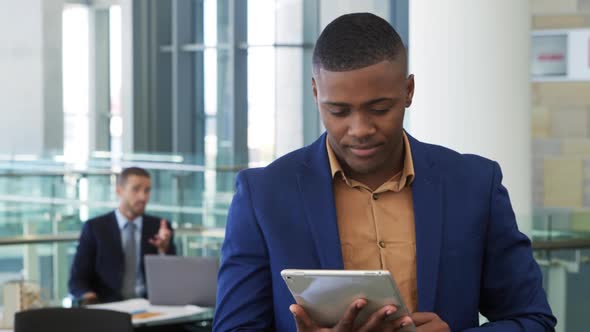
[(380, 111), (338, 112)]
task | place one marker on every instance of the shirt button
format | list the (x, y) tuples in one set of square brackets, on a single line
[(382, 244), (375, 197)]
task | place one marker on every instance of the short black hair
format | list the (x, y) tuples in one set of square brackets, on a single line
[(127, 172), (358, 40)]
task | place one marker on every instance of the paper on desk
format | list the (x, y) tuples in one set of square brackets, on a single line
[(143, 306)]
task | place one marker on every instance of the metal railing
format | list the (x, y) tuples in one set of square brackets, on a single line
[(38, 239), (562, 244)]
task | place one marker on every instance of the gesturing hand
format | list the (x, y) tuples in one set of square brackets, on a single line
[(162, 239)]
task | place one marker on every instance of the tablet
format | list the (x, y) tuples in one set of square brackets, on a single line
[(326, 294)]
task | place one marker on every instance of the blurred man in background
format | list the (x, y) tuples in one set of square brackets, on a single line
[(109, 264)]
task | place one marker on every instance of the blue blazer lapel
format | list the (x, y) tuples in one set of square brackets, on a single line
[(315, 183), (428, 209)]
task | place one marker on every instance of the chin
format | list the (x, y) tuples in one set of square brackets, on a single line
[(139, 212), (362, 168)]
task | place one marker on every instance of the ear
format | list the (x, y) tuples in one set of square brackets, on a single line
[(118, 189), (314, 88), (409, 90)]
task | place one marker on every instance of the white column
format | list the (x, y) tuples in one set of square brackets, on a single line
[(127, 75), (30, 83), (289, 76), (471, 61)]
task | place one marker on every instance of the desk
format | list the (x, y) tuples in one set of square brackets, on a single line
[(168, 319), (202, 322)]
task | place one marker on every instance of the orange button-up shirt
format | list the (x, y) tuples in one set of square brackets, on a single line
[(376, 228)]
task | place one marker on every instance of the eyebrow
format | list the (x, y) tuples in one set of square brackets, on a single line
[(370, 102)]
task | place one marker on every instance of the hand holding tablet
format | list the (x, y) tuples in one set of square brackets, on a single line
[(346, 299)]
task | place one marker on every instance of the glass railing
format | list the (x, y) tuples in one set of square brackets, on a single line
[(44, 263), (44, 203), (46, 259), (561, 243)]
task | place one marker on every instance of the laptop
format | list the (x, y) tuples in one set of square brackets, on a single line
[(177, 280)]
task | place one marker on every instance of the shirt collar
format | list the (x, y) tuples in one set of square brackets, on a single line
[(407, 174), (122, 220)]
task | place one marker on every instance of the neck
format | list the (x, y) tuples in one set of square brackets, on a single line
[(127, 213)]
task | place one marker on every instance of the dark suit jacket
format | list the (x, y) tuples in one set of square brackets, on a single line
[(470, 255), (99, 262)]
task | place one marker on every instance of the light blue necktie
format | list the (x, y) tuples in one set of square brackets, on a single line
[(130, 251)]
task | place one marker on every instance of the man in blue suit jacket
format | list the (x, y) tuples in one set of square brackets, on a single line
[(102, 265), (470, 255)]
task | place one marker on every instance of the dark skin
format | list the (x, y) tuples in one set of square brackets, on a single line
[(376, 322), (363, 112)]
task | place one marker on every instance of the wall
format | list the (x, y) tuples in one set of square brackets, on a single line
[(30, 84), (472, 85)]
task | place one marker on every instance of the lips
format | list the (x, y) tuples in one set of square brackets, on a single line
[(364, 151)]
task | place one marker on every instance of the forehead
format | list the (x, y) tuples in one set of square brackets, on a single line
[(385, 78), (137, 180)]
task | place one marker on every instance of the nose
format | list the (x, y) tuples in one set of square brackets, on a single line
[(142, 196), (361, 126)]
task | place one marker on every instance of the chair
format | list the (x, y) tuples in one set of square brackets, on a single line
[(72, 320)]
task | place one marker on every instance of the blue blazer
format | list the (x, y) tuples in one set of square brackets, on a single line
[(99, 262), (470, 255)]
